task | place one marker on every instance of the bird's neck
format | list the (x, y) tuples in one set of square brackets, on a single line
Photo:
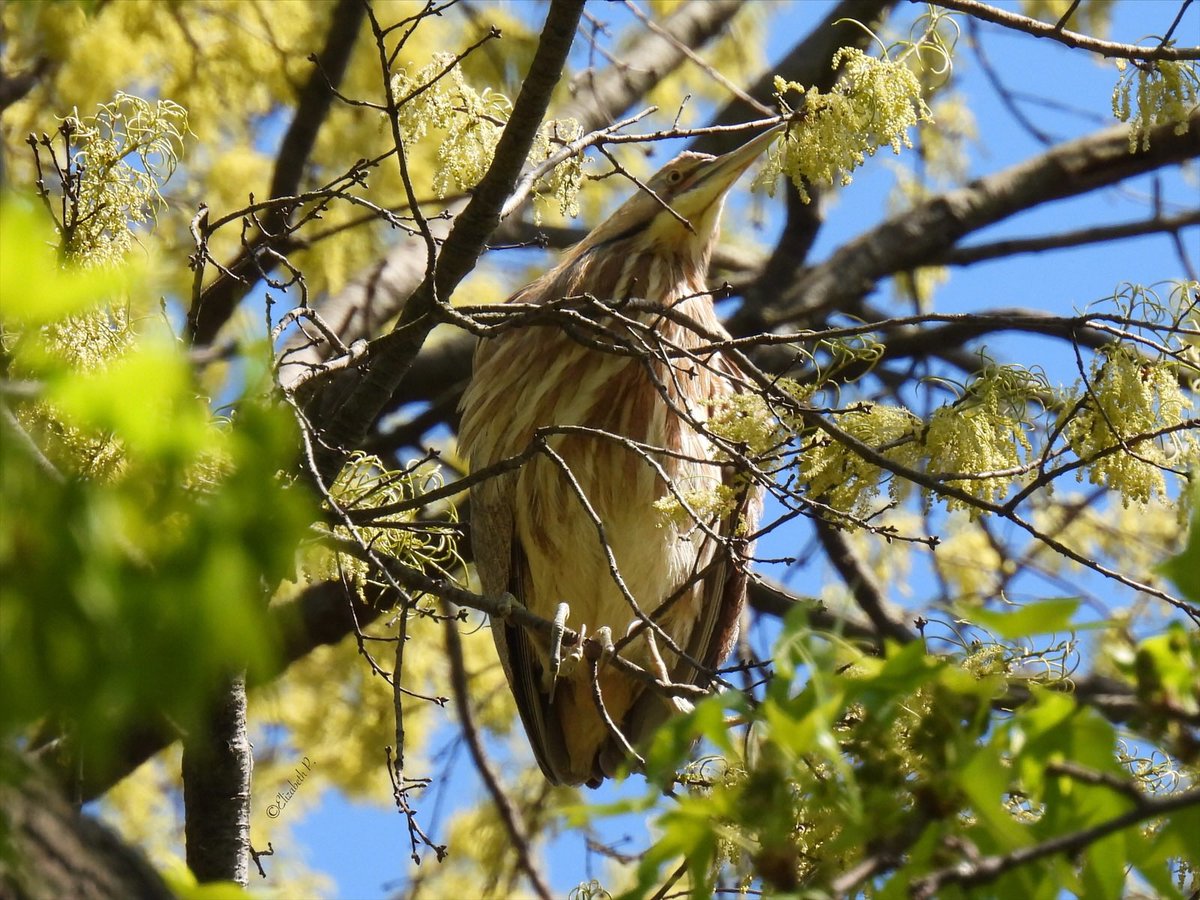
[(667, 274)]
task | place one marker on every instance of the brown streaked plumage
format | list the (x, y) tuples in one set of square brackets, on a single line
[(533, 536)]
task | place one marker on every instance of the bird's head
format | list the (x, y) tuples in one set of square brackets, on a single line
[(682, 207)]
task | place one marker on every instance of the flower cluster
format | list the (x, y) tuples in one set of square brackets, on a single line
[(981, 433), (1127, 398), (839, 477), (874, 105), (708, 504), (563, 181), (745, 420), (109, 192), (365, 483), (1167, 92), (438, 96)]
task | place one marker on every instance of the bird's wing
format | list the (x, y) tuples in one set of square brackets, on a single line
[(725, 590), (500, 561), (492, 532), (713, 635)]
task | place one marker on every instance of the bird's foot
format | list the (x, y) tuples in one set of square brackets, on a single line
[(660, 667), (571, 661), (550, 678), (603, 637)]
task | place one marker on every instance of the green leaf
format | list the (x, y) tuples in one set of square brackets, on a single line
[(985, 780), (1042, 617), (672, 742), (1167, 668), (1184, 569), (132, 596), (35, 286), (146, 399), (1104, 864)]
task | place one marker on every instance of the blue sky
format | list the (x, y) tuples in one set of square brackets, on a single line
[(364, 848)]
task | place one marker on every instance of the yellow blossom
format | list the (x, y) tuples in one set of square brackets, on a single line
[(1127, 396), (112, 193), (873, 106), (1167, 92), (837, 475)]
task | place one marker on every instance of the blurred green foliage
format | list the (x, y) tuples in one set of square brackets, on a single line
[(851, 760), (133, 592)]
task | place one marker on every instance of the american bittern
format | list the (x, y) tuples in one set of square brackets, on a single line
[(534, 536)]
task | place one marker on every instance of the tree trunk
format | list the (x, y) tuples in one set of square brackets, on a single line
[(50, 850), (216, 792)]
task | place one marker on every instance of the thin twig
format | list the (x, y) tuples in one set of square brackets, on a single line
[(509, 816), (695, 57)]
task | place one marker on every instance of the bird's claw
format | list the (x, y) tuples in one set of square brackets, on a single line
[(600, 648), (604, 638), (576, 653), (560, 666), (556, 637)]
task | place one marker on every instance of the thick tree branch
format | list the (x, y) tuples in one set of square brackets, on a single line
[(945, 336), (217, 302), (966, 256), (1072, 39), (51, 850), (913, 238), (14, 86), (862, 584), (602, 96), (316, 97), (391, 356), (216, 791), (770, 599)]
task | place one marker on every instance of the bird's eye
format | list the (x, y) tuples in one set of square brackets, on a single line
[(674, 176)]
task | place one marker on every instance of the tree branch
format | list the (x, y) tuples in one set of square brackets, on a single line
[(966, 256), (862, 584), (217, 302), (51, 850), (15, 86), (391, 356), (1070, 38), (917, 236), (216, 791), (602, 96), (509, 816), (972, 872)]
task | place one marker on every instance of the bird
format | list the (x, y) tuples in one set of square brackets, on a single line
[(536, 541)]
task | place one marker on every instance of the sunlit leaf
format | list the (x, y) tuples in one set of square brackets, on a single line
[(1041, 617)]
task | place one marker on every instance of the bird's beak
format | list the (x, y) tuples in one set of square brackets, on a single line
[(717, 175)]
